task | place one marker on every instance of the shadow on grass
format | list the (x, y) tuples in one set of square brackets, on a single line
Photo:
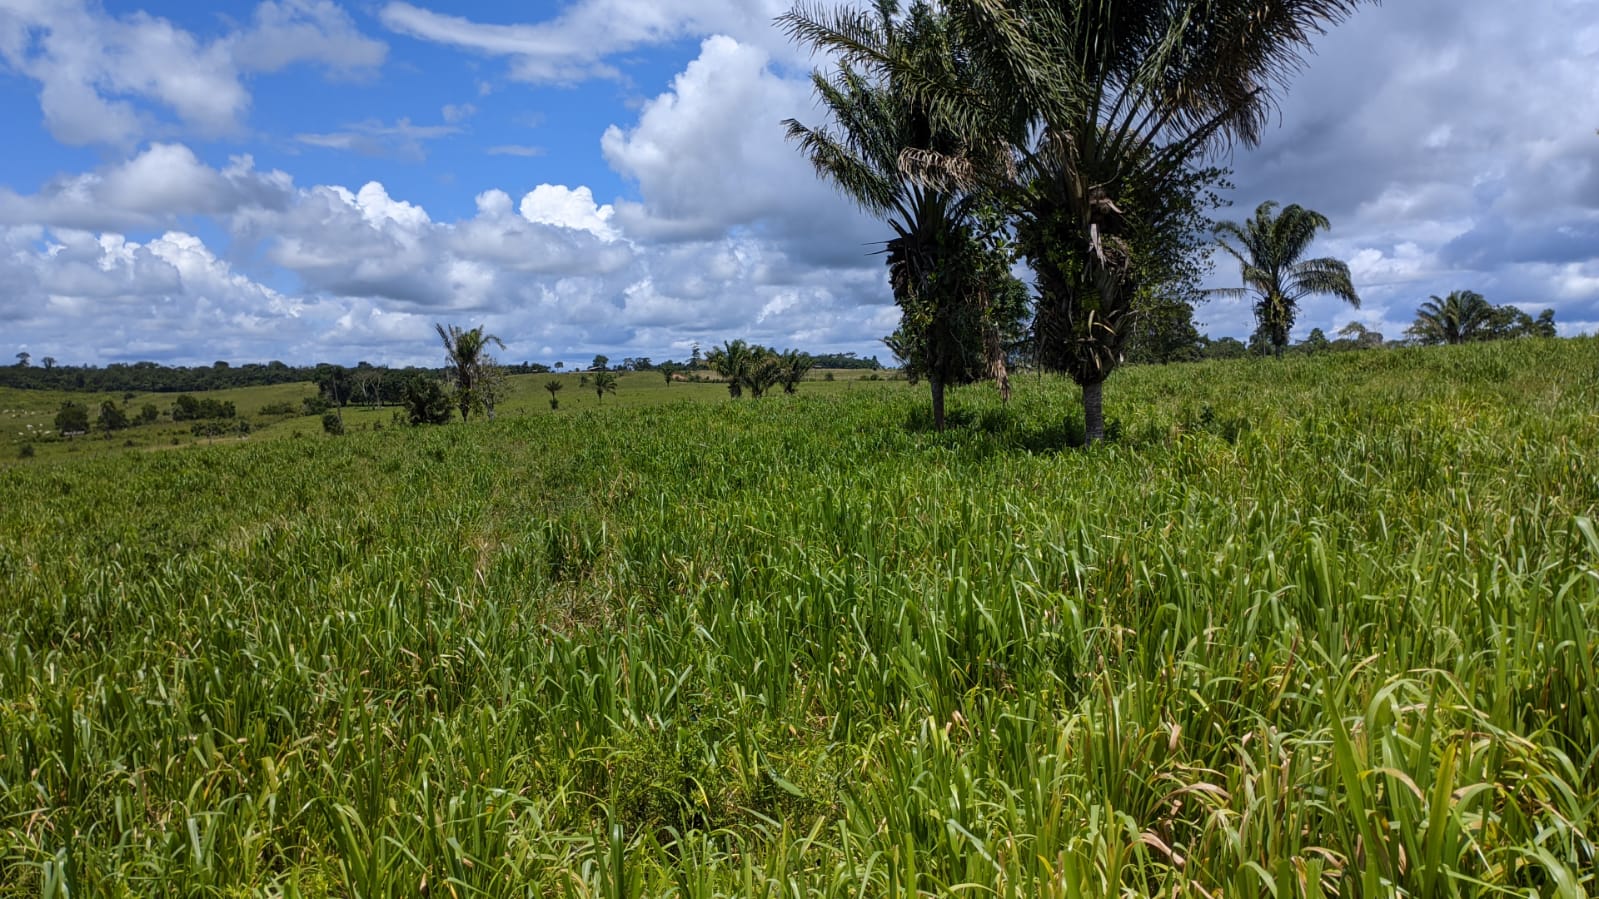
[(1010, 429)]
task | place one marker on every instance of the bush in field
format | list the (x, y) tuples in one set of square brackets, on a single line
[(314, 405), (26, 451), (425, 402), (191, 408), (188, 408), (72, 418), (282, 408), (111, 417), (333, 423), (148, 413)]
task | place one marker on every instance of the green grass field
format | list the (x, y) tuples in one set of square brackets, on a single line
[(27, 417), (1323, 626)]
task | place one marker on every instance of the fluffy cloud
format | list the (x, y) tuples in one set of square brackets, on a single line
[(710, 155), (555, 204), (102, 78), (153, 189)]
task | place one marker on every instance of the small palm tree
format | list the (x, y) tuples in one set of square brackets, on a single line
[(554, 386), (732, 361), (604, 382), (794, 365), (469, 367), (764, 372), (1460, 317), (1269, 248)]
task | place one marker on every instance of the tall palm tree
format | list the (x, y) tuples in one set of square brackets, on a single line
[(1092, 103), (1269, 249), (469, 367), (554, 386), (939, 265), (1462, 316), (604, 382)]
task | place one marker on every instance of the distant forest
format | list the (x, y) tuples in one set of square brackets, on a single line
[(363, 382), (150, 377)]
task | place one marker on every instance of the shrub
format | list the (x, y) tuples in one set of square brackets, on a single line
[(425, 402), (26, 451), (333, 424)]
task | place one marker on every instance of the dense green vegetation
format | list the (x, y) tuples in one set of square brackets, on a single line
[(1324, 625)]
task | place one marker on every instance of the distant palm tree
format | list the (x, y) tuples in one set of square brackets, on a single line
[(732, 360), (554, 386), (604, 382), (469, 367), (764, 372), (794, 365), (1268, 249), (1460, 317)]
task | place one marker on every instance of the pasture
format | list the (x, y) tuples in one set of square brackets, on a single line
[(1324, 625)]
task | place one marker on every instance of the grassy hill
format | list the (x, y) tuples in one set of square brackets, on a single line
[(1327, 625)]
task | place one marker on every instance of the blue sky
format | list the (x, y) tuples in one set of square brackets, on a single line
[(310, 180)]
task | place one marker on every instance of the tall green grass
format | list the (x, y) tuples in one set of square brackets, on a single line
[(1312, 627)]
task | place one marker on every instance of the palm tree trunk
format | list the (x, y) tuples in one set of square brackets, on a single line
[(1093, 412), (937, 384)]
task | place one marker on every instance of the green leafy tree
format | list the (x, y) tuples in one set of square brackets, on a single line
[(1163, 332), (604, 382), (554, 386), (1356, 336), (49, 362), (425, 401), (1223, 348), (333, 423), (1507, 321), (1544, 325), (471, 371), (1270, 250), (22, 359), (600, 363), (72, 418), (1317, 342), (111, 417)]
